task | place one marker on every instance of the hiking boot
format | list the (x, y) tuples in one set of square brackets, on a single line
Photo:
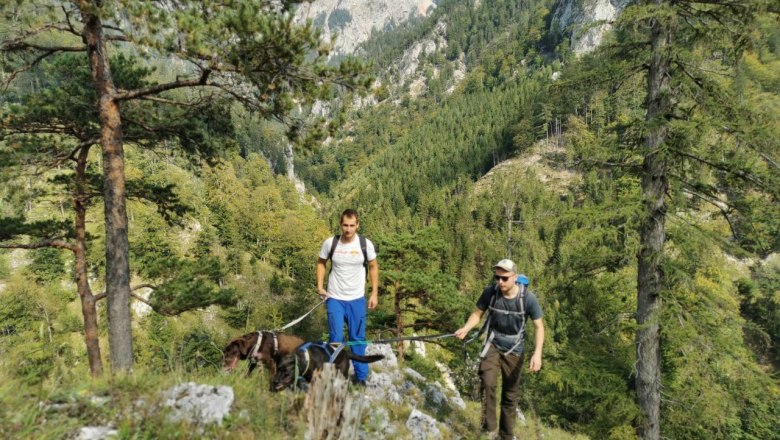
[(360, 383)]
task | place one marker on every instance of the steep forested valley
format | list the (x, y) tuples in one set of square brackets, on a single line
[(170, 170)]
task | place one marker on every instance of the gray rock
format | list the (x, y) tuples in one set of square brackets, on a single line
[(434, 395), (381, 387), (422, 426), (96, 433), (414, 375), (390, 362), (521, 417), (587, 21), (99, 400), (359, 18), (201, 404), (378, 425)]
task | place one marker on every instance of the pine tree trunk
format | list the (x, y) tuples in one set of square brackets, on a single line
[(120, 335), (88, 309), (399, 322), (652, 232)]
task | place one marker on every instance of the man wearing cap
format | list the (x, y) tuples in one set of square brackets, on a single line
[(508, 304)]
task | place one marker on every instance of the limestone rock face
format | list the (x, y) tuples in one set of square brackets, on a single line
[(353, 20), (586, 21)]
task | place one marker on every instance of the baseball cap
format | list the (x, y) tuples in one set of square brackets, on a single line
[(506, 264)]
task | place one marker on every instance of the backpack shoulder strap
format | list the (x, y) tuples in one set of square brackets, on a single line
[(333, 244), (364, 248), (522, 299)]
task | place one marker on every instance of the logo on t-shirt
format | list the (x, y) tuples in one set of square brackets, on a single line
[(348, 251)]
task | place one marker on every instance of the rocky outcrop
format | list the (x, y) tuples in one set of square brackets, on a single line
[(429, 399), (354, 20), (586, 21), (196, 403)]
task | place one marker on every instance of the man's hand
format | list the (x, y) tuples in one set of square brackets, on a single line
[(536, 362), (373, 301), (323, 293), (461, 333)]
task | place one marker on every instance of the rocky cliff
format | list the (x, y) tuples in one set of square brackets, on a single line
[(586, 21), (352, 21)]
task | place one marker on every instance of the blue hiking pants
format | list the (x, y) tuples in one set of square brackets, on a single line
[(352, 313)]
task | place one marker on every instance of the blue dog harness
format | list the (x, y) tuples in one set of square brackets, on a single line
[(332, 349)]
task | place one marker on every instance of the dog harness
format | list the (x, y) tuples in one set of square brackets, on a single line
[(254, 357), (332, 349)]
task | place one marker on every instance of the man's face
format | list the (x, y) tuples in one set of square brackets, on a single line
[(349, 226), (504, 279)]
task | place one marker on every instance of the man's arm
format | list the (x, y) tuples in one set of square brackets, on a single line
[(473, 320), (321, 278), (536, 359), (373, 273)]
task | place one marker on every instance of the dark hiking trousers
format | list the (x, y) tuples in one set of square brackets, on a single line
[(511, 368)]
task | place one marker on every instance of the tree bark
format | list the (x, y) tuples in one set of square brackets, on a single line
[(120, 335), (88, 308), (652, 231), (399, 321)]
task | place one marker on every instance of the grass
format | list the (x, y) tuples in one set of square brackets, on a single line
[(133, 405)]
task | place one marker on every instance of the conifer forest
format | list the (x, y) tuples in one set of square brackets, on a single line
[(169, 170)]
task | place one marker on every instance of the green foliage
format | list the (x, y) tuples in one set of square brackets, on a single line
[(12, 227), (760, 304), (47, 265), (339, 18), (188, 285), (37, 330), (425, 297)]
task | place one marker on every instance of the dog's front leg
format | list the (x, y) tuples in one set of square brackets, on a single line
[(272, 367), (252, 366)]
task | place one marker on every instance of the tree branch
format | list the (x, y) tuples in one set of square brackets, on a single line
[(102, 295), (140, 298), (41, 244), (721, 167), (125, 95), (71, 28), (172, 102)]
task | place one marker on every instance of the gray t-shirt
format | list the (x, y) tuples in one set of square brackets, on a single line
[(507, 326)]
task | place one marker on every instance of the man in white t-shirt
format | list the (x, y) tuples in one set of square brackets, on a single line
[(346, 300)]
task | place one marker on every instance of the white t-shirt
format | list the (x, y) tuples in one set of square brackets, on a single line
[(347, 279)]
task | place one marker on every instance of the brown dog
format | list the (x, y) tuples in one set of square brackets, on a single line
[(310, 358), (269, 350)]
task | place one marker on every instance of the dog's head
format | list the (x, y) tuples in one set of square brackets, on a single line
[(285, 372), (236, 350)]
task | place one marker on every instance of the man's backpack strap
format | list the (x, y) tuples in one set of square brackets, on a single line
[(333, 244), (363, 248), (521, 299)]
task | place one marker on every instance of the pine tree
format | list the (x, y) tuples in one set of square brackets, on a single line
[(685, 52), (251, 51)]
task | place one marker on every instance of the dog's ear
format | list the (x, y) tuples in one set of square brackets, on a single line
[(241, 346), (246, 343)]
